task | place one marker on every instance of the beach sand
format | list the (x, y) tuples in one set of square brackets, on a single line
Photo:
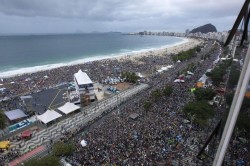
[(191, 43)]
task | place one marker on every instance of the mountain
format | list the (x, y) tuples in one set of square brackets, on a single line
[(205, 29)]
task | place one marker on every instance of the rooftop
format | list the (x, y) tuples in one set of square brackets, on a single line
[(82, 78)]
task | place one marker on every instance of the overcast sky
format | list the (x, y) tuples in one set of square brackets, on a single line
[(69, 16)]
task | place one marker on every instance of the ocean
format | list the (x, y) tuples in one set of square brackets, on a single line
[(29, 53)]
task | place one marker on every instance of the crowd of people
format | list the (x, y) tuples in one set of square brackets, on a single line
[(160, 136), (97, 71), (157, 137)]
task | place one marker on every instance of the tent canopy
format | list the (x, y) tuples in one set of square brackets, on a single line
[(203, 79), (26, 97), (134, 116), (26, 133), (15, 114), (4, 144), (199, 84), (68, 108), (82, 78), (48, 116)]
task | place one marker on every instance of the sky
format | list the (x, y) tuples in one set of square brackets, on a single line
[(74, 16)]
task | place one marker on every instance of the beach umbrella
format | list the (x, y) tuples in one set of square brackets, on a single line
[(83, 143)]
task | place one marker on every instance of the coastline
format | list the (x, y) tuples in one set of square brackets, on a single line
[(186, 44)]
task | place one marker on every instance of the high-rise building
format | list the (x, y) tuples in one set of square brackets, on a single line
[(187, 32)]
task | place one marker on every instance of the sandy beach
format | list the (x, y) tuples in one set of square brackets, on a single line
[(191, 43)]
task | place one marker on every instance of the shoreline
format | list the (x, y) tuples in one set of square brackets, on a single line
[(187, 43)]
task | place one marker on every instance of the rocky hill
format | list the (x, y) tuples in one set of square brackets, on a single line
[(205, 29)]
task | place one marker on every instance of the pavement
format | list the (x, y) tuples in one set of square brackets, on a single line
[(27, 156)]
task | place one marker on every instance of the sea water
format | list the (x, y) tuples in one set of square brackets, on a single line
[(29, 53)]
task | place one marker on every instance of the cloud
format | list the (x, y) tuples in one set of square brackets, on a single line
[(139, 14)]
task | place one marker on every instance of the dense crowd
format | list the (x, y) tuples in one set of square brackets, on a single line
[(97, 71), (159, 136), (12, 154)]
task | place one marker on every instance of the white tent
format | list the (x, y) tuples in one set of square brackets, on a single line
[(82, 78), (169, 66), (178, 61), (48, 116), (83, 143), (190, 73), (139, 75), (164, 68), (68, 108), (159, 71), (203, 79), (179, 80)]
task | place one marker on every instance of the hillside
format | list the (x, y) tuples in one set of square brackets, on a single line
[(205, 29)]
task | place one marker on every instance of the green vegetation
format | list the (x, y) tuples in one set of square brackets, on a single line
[(61, 149), (45, 161), (147, 105), (167, 91), (156, 94), (243, 121), (206, 56), (229, 98), (233, 77), (191, 67), (204, 94), (217, 73), (130, 77), (201, 111), (198, 48), (245, 104), (185, 55), (2, 120)]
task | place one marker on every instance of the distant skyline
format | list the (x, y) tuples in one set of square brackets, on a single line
[(74, 16)]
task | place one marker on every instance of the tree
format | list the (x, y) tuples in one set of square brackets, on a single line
[(243, 122), (130, 77), (204, 94), (2, 120), (61, 149), (229, 98), (217, 73), (245, 104), (202, 111), (45, 161), (147, 105), (234, 77), (156, 94), (167, 91), (184, 55), (198, 48)]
